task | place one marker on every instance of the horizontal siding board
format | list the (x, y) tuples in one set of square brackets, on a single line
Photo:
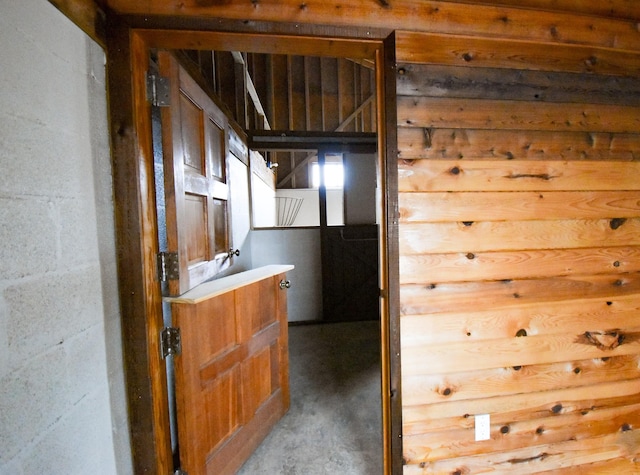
[(466, 385), (427, 48), (526, 264), (500, 353), (567, 458), (483, 236), (502, 206), (472, 296), (417, 15), (478, 144), (515, 85), (460, 442), (517, 175), (500, 114), (601, 8), (548, 318), (536, 405)]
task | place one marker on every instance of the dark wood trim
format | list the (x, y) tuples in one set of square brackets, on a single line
[(137, 241), (226, 25), (390, 272), (137, 245), (295, 140), (87, 15)]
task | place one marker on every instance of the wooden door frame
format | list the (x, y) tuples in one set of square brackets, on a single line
[(128, 53)]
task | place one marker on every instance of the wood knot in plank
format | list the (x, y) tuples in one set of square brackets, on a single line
[(539, 176), (428, 134), (541, 456), (603, 340), (615, 223)]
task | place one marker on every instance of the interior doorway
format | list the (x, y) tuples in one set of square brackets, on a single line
[(141, 44)]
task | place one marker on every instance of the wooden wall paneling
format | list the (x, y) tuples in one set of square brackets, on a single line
[(494, 382), (516, 85), (499, 114), (478, 144), (517, 175), (514, 430), (226, 78), (297, 84), (446, 17), (346, 92), (451, 357), (573, 457), (420, 238), (470, 296), (279, 93), (520, 264), (314, 93), (486, 52), (526, 319), (608, 8), (468, 206), (423, 418), (329, 84)]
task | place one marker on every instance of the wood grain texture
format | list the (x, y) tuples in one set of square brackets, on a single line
[(515, 115), (478, 144), (87, 15), (538, 318), (431, 207), (500, 353), (416, 15), (137, 244), (523, 264), (516, 85), (516, 175), (571, 456), (465, 385), (422, 238), (509, 434), (429, 417), (601, 8), (470, 296), (517, 54)]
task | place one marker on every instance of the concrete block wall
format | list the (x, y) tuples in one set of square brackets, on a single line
[(62, 398)]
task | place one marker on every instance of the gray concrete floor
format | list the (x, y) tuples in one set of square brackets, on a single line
[(334, 423)]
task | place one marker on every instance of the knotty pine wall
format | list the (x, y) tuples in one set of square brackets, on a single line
[(519, 197)]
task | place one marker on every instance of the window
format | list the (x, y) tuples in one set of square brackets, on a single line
[(333, 172)]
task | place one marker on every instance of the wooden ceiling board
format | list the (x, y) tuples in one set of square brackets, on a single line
[(578, 26)]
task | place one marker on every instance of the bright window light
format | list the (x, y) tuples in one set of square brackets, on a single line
[(333, 175)]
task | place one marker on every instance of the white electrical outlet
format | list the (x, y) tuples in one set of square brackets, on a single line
[(483, 427)]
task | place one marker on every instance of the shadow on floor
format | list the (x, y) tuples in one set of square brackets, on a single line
[(334, 423)]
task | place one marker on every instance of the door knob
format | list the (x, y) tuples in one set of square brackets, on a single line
[(232, 252), (285, 284)]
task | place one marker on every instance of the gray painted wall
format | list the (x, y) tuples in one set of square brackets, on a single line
[(62, 398)]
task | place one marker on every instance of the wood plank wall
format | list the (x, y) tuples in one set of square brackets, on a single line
[(520, 258), (519, 216)]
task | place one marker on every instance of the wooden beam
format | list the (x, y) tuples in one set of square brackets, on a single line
[(87, 15), (472, 19), (137, 244), (251, 90)]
